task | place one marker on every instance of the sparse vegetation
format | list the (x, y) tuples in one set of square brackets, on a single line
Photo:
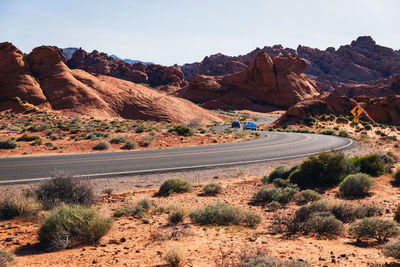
[(326, 169), (129, 144), (6, 258), (369, 164), (182, 130), (8, 144), (392, 250), (279, 172), (375, 228), (20, 206), (356, 185), (396, 176), (64, 188), (306, 196), (174, 256), (142, 207), (118, 139), (103, 145), (212, 189), (174, 185), (69, 225), (323, 223), (176, 214)]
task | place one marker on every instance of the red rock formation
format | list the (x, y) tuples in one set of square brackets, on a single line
[(101, 63), (77, 92), (350, 67), (382, 109), (279, 81), (16, 78)]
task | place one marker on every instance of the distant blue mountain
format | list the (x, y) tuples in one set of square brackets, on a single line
[(131, 61), (69, 51)]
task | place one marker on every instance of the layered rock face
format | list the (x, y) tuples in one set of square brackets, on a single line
[(279, 81), (42, 78), (351, 66), (101, 63)]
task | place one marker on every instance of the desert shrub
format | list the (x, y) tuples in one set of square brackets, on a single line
[(21, 206), (326, 169), (64, 188), (174, 185), (308, 195), (142, 207), (286, 223), (274, 205), (176, 214), (327, 132), (103, 145), (397, 214), (343, 211), (374, 227), (37, 142), (147, 139), (27, 138), (310, 120), (6, 258), (212, 189), (305, 212), (67, 225), (8, 144), (279, 182), (252, 219), (216, 214), (174, 257), (392, 250), (129, 144), (182, 130), (356, 185), (267, 195), (262, 261), (365, 210), (288, 194), (279, 172), (343, 133), (396, 177), (323, 223), (118, 139), (370, 164)]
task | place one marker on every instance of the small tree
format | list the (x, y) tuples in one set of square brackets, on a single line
[(376, 228)]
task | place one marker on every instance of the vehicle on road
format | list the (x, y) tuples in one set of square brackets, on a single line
[(235, 124), (250, 125)]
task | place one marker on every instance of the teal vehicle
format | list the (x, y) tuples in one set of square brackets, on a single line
[(250, 125), (235, 124)]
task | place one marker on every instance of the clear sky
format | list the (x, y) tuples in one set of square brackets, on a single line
[(184, 31)]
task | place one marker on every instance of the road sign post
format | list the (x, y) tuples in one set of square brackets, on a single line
[(356, 111)]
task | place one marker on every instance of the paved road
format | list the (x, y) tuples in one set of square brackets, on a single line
[(272, 146)]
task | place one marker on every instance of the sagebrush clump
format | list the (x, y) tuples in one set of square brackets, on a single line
[(356, 185), (174, 185), (374, 228), (212, 189)]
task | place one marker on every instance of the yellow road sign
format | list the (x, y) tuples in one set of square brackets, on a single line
[(356, 111), (356, 120)]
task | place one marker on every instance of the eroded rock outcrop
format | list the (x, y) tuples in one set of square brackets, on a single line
[(42, 77), (279, 81)]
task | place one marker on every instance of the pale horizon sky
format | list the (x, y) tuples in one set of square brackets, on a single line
[(185, 31)]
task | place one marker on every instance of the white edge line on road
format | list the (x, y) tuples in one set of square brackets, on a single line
[(180, 168)]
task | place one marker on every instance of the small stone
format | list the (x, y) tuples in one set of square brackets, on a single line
[(8, 239), (145, 221), (94, 262), (103, 245), (253, 239), (343, 255), (137, 251), (123, 239)]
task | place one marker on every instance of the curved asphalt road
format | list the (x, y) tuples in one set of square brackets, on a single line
[(272, 146)]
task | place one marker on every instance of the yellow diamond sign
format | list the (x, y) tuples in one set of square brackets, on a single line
[(356, 111)]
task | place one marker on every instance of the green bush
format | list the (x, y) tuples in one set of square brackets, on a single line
[(274, 205), (176, 214), (217, 214), (396, 177), (323, 223), (129, 144), (69, 225), (27, 138), (305, 212), (212, 189), (327, 132), (370, 164), (356, 185), (279, 172), (142, 207), (365, 210), (288, 194), (64, 188), (267, 195), (174, 185), (103, 145), (118, 139), (252, 219), (376, 228), (279, 182), (182, 130), (8, 144), (147, 139), (343, 211), (20, 206), (397, 214), (262, 261), (326, 169), (392, 250), (343, 133), (6, 258), (306, 196)]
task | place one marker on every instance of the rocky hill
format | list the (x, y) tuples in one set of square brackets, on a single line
[(278, 81), (351, 66), (42, 78)]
